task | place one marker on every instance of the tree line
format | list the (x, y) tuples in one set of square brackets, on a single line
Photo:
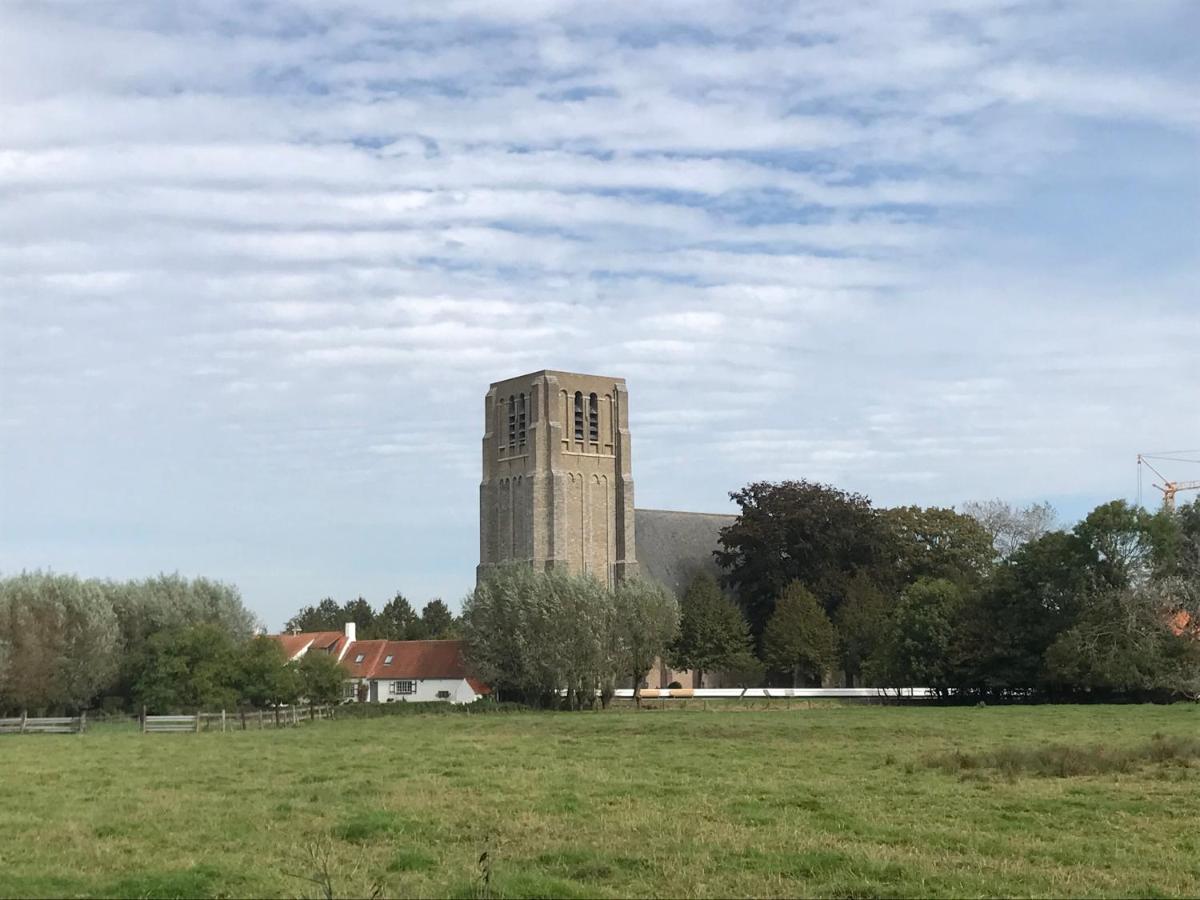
[(396, 621), (989, 601), (168, 644), (818, 586)]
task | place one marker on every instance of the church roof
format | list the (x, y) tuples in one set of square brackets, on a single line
[(673, 547)]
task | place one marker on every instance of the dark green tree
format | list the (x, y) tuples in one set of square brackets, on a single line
[(325, 616), (1034, 595), (397, 621), (362, 614), (1125, 541), (267, 678), (713, 635), (917, 646), (189, 668), (861, 623), (645, 624), (799, 638), (321, 678), (938, 543), (439, 623), (799, 531)]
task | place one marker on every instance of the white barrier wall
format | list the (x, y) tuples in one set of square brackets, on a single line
[(758, 693)]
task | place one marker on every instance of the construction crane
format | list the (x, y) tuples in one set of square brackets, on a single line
[(1168, 487)]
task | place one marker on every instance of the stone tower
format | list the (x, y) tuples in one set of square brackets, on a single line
[(557, 487)]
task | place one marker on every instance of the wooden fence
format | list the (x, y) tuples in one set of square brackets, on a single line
[(236, 721), (24, 724)]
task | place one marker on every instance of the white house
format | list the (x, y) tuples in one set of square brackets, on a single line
[(392, 671)]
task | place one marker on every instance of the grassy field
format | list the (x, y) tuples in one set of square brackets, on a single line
[(848, 802)]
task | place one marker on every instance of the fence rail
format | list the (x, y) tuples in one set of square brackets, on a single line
[(43, 724), (236, 721)]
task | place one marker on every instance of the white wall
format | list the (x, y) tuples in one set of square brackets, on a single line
[(427, 690)]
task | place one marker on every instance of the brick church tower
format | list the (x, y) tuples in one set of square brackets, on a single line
[(557, 487)]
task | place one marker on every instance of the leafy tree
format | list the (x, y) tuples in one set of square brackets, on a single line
[(861, 624), (1035, 594), (266, 678), (1122, 539), (646, 623), (360, 612), (713, 634), (193, 667), (1123, 642), (321, 678), (798, 531), (397, 621), (937, 543), (799, 638), (1011, 527), (438, 621), (327, 615), (917, 646), (60, 641)]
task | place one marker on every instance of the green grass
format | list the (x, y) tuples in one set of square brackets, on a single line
[(823, 801)]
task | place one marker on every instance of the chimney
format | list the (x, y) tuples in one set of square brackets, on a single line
[(351, 635)]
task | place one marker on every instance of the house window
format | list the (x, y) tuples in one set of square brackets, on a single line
[(403, 687), (578, 417), (443, 695), (512, 422), (593, 418), (521, 420), (360, 657), (387, 660), (349, 690)]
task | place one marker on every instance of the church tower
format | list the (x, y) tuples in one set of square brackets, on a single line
[(557, 487)]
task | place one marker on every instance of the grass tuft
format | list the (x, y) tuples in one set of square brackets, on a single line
[(1071, 761)]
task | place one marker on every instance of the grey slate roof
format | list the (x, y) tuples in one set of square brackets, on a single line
[(673, 547)]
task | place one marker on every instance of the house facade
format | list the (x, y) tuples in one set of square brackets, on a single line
[(379, 671)]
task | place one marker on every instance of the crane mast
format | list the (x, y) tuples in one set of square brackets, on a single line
[(1169, 487)]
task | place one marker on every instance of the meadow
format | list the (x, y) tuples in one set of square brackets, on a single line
[(831, 801)]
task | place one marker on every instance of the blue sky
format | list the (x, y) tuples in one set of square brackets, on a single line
[(259, 263)]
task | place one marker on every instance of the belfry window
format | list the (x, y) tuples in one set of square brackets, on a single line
[(521, 421), (578, 417), (593, 418), (512, 422)]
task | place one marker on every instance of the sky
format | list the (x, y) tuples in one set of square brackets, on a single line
[(259, 262)]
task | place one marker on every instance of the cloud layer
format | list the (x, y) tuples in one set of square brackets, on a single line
[(258, 263)]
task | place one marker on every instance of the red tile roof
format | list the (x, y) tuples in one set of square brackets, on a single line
[(410, 659), (329, 641)]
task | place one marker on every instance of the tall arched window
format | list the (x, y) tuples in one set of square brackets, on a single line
[(578, 417), (512, 421), (521, 421), (593, 418)]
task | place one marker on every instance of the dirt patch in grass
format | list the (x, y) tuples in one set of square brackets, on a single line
[(1069, 761)]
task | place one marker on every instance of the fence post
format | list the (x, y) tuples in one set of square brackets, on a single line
[(197, 721), (222, 721), (260, 724), (295, 720), (24, 717), (143, 719), (82, 721)]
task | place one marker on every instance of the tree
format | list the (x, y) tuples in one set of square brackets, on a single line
[(360, 612), (397, 621), (321, 678), (861, 623), (1123, 642), (799, 638), (937, 543), (713, 634), (917, 646), (267, 677), (1122, 539), (325, 616), (1011, 527), (646, 623), (798, 531), (189, 668), (438, 621), (60, 641)]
